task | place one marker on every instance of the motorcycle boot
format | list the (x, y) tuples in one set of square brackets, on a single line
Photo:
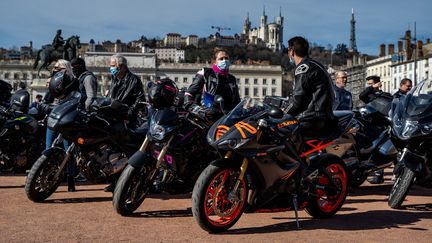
[(71, 184)]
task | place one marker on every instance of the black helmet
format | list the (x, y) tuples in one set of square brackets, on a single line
[(62, 84), (5, 91), (162, 93)]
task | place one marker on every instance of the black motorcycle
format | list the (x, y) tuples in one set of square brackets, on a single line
[(367, 146), (412, 130), (100, 144), (22, 139), (170, 159), (267, 166)]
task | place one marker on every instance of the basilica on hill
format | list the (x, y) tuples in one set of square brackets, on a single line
[(267, 34)]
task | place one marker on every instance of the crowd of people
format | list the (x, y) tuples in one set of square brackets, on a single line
[(315, 95)]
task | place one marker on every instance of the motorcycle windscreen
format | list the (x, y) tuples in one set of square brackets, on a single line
[(418, 102)]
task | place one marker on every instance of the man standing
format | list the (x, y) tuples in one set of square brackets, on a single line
[(373, 90), (87, 81), (125, 86), (404, 87), (343, 99), (313, 95)]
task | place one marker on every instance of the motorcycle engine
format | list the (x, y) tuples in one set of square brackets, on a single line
[(109, 160)]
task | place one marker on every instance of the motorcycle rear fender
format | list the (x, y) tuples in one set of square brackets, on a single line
[(54, 150), (139, 159), (412, 161)]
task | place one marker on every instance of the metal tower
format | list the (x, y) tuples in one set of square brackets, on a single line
[(353, 45)]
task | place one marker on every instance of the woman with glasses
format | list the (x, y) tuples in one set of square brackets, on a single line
[(49, 103)]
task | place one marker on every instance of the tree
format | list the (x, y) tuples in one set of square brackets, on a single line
[(341, 49)]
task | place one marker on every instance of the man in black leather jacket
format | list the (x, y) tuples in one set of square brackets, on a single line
[(214, 81), (125, 86), (373, 90), (313, 94)]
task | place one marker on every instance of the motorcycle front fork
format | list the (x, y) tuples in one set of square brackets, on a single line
[(160, 157)]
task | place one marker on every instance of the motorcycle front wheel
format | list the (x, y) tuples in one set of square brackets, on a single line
[(215, 206), (131, 189), (41, 182), (400, 188)]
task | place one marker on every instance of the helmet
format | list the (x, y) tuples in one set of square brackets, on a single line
[(62, 84), (162, 93), (5, 91)]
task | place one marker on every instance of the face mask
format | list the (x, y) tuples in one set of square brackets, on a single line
[(291, 61), (114, 71), (54, 72), (223, 64)]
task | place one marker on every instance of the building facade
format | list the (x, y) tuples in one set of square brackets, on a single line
[(170, 54), (381, 67)]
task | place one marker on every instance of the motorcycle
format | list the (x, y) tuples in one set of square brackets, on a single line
[(22, 139), (170, 159), (267, 166), (367, 146), (412, 130), (100, 144)]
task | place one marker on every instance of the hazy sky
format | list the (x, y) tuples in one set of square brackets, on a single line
[(321, 21)]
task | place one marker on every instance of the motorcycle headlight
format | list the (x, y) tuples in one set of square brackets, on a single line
[(410, 127), (426, 129), (157, 131), (233, 143)]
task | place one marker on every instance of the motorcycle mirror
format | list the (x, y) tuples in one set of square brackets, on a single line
[(218, 100), (276, 113)]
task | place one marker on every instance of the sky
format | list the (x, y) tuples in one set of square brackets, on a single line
[(325, 22)]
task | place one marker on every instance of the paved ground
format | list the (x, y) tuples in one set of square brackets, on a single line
[(87, 216)]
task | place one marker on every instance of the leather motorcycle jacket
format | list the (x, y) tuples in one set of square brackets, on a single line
[(313, 93), (207, 80), (129, 90), (369, 94)]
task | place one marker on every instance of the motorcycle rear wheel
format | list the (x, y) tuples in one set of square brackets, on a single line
[(212, 207), (326, 203), (131, 190), (400, 188), (40, 183)]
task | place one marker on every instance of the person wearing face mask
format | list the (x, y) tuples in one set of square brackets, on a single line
[(126, 87), (87, 81), (61, 85), (313, 94), (213, 81)]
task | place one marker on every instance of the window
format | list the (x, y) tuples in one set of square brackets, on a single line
[(185, 80), (255, 94), (16, 76), (264, 92), (246, 81), (6, 75), (255, 81), (273, 92), (427, 63), (273, 81), (238, 81), (264, 81), (410, 66), (176, 79), (24, 75), (395, 83), (246, 92)]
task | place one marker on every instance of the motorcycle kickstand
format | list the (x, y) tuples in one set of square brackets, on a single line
[(296, 208)]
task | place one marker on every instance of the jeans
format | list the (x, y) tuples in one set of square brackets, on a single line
[(50, 137)]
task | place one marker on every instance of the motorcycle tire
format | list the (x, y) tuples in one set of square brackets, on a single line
[(323, 203), (130, 191), (212, 208), (400, 188), (40, 183)]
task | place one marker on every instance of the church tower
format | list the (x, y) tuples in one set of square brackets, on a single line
[(279, 21), (246, 25), (353, 45), (263, 19)]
